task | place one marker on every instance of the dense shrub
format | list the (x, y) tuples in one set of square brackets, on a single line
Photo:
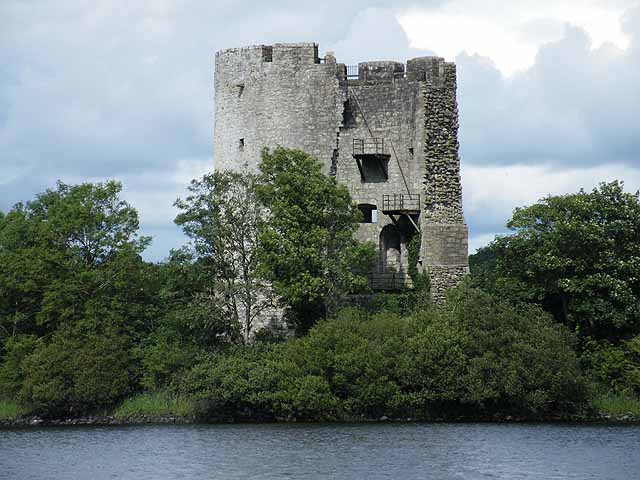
[(614, 368), (476, 357), (17, 348), (76, 373)]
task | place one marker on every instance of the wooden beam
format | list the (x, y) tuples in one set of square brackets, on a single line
[(413, 223), (360, 168)]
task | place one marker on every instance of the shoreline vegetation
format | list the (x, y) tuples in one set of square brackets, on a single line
[(607, 410), (546, 327)]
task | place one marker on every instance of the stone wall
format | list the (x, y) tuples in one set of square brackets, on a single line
[(270, 96)]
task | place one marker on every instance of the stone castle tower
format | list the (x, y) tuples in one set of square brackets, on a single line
[(387, 131)]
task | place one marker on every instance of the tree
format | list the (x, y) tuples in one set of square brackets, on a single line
[(307, 246), (577, 255), (222, 217), (64, 253)]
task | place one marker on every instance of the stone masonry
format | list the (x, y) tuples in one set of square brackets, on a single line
[(386, 130)]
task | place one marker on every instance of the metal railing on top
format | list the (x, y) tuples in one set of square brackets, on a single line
[(352, 72), (401, 201), (369, 146)]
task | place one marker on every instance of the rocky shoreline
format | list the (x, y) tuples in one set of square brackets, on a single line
[(104, 420), (96, 420)]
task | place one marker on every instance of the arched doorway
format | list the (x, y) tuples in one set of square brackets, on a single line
[(390, 249)]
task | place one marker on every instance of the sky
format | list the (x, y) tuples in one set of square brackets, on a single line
[(90, 90)]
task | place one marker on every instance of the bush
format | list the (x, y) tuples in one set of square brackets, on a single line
[(17, 348), (614, 368), (507, 359), (474, 358), (617, 404), (76, 373), (10, 410), (164, 360)]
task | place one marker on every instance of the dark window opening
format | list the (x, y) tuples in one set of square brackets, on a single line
[(334, 162), (241, 144), (267, 54), (375, 170), (369, 213), (348, 115)]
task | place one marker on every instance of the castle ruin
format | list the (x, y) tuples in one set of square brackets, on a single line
[(386, 130)]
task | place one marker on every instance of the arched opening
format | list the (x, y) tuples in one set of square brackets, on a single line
[(369, 213), (390, 250)]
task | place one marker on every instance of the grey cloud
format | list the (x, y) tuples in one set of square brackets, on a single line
[(100, 89), (574, 106)]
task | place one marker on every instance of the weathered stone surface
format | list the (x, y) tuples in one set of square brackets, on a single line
[(286, 95)]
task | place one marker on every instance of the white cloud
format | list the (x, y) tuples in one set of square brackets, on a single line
[(492, 193), (510, 33)]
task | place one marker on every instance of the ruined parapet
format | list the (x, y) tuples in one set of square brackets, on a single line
[(380, 71), (383, 129)]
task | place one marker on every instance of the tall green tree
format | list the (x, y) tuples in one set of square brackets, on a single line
[(307, 247), (222, 217), (577, 255), (65, 251)]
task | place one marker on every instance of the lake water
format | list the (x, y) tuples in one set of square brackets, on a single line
[(361, 451)]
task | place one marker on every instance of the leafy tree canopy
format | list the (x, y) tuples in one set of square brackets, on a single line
[(62, 251), (307, 247), (577, 255)]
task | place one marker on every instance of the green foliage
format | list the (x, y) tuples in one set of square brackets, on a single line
[(157, 404), (79, 371), (192, 324), (616, 368), (62, 251), (17, 348), (617, 404), (74, 296), (222, 217), (420, 278), (402, 303), (10, 410), (306, 247), (475, 358), (517, 359), (576, 255), (86, 323)]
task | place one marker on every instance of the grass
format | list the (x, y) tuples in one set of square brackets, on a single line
[(617, 404), (155, 404), (10, 410)]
